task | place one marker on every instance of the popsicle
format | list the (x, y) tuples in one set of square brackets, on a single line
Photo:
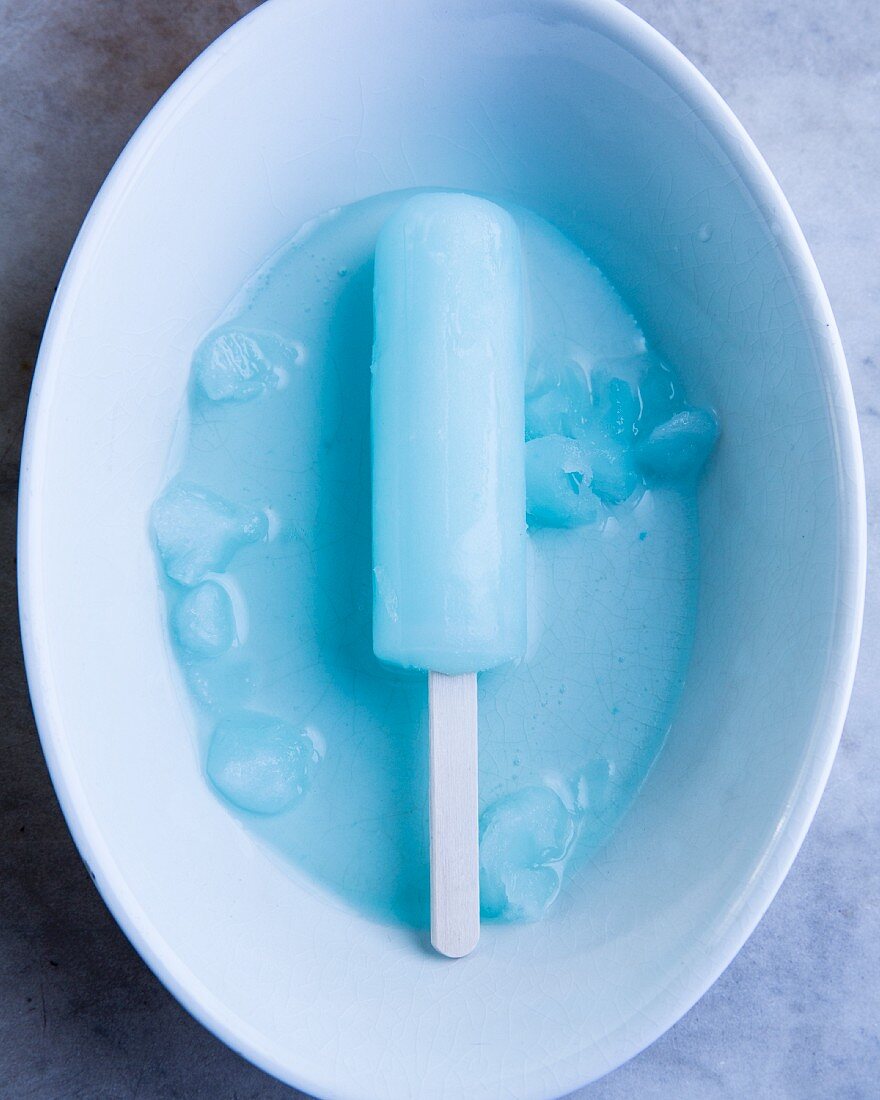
[(449, 512)]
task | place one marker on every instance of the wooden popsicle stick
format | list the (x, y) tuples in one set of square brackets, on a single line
[(454, 813)]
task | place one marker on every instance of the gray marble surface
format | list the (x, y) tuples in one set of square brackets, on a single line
[(797, 1015)]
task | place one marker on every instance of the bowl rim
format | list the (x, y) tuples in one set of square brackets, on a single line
[(649, 45)]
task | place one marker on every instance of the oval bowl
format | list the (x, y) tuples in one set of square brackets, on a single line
[(582, 111)]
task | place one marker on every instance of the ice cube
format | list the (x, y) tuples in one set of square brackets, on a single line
[(203, 620), (659, 396), (615, 477), (558, 477), (524, 836), (198, 532), (615, 406), (678, 448), (259, 763), (237, 365), (557, 396)]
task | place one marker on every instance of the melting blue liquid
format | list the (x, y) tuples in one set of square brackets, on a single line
[(264, 539)]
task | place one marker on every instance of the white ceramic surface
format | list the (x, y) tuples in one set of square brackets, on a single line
[(303, 106)]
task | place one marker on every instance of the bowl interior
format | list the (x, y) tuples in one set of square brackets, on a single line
[(582, 113)]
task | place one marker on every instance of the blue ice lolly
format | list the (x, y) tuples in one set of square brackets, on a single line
[(448, 437)]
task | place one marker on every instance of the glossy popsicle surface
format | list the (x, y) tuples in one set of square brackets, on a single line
[(449, 524)]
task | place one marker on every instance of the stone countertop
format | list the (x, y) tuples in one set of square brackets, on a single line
[(797, 1014)]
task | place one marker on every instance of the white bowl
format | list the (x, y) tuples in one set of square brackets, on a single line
[(299, 108)]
